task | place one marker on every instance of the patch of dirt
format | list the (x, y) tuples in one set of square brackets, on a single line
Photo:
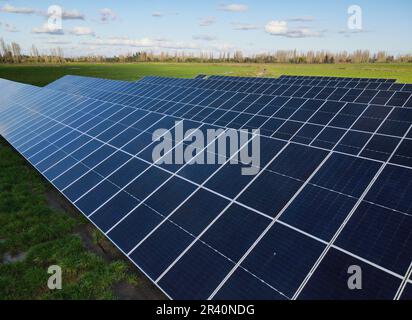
[(102, 247), (143, 291), (262, 73), (57, 202), (8, 258)]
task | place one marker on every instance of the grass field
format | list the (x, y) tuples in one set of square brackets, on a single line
[(37, 229), (43, 74)]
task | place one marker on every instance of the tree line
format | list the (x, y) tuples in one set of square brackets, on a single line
[(12, 53)]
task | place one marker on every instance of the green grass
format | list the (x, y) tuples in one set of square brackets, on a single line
[(43, 74), (48, 237)]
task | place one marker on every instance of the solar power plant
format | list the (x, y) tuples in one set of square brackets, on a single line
[(332, 191)]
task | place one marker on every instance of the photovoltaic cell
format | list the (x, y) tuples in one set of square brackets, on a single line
[(379, 235), (402, 154), (330, 281), (407, 293), (186, 281), (346, 174), (319, 211), (235, 231), (392, 188), (283, 252), (244, 286), (199, 211), (380, 147), (161, 248)]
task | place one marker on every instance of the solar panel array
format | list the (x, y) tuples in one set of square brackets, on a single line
[(294, 78), (339, 78), (275, 86), (333, 190), (372, 131)]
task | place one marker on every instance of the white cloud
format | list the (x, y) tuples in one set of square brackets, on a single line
[(48, 29), (222, 47), (66, 14), (207, 21), (56, 42), (244, 26), (160, 14), (277, 27), (348, 33), (281, 28), (82, 31), (204, 37), (73, 15), (158, 45), (9, 27), (142, 43), (20, 10), (303, 33), (234, 7), (301, 19), (107, 14)]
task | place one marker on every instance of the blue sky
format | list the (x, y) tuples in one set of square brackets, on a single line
[(118, 27)]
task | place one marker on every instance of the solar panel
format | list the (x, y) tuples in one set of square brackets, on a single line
[(339, 78), (277, 84), (207, 232), (284, 77), (326, 124)]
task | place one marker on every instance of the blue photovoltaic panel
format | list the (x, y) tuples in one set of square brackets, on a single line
[(383, 248), (407, 293), (348, 88), (302, 120), (328, 280), (338, 78), (206, 231)]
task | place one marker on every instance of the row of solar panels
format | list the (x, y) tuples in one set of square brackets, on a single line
[(298, 86), (358, 129), (284, 77), (376, 97), (290, 232), (339, 78)]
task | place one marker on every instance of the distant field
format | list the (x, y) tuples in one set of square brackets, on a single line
[(43, 74)]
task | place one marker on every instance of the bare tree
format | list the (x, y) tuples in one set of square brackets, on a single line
[(7, 54), (35, 54), (13, 54)]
